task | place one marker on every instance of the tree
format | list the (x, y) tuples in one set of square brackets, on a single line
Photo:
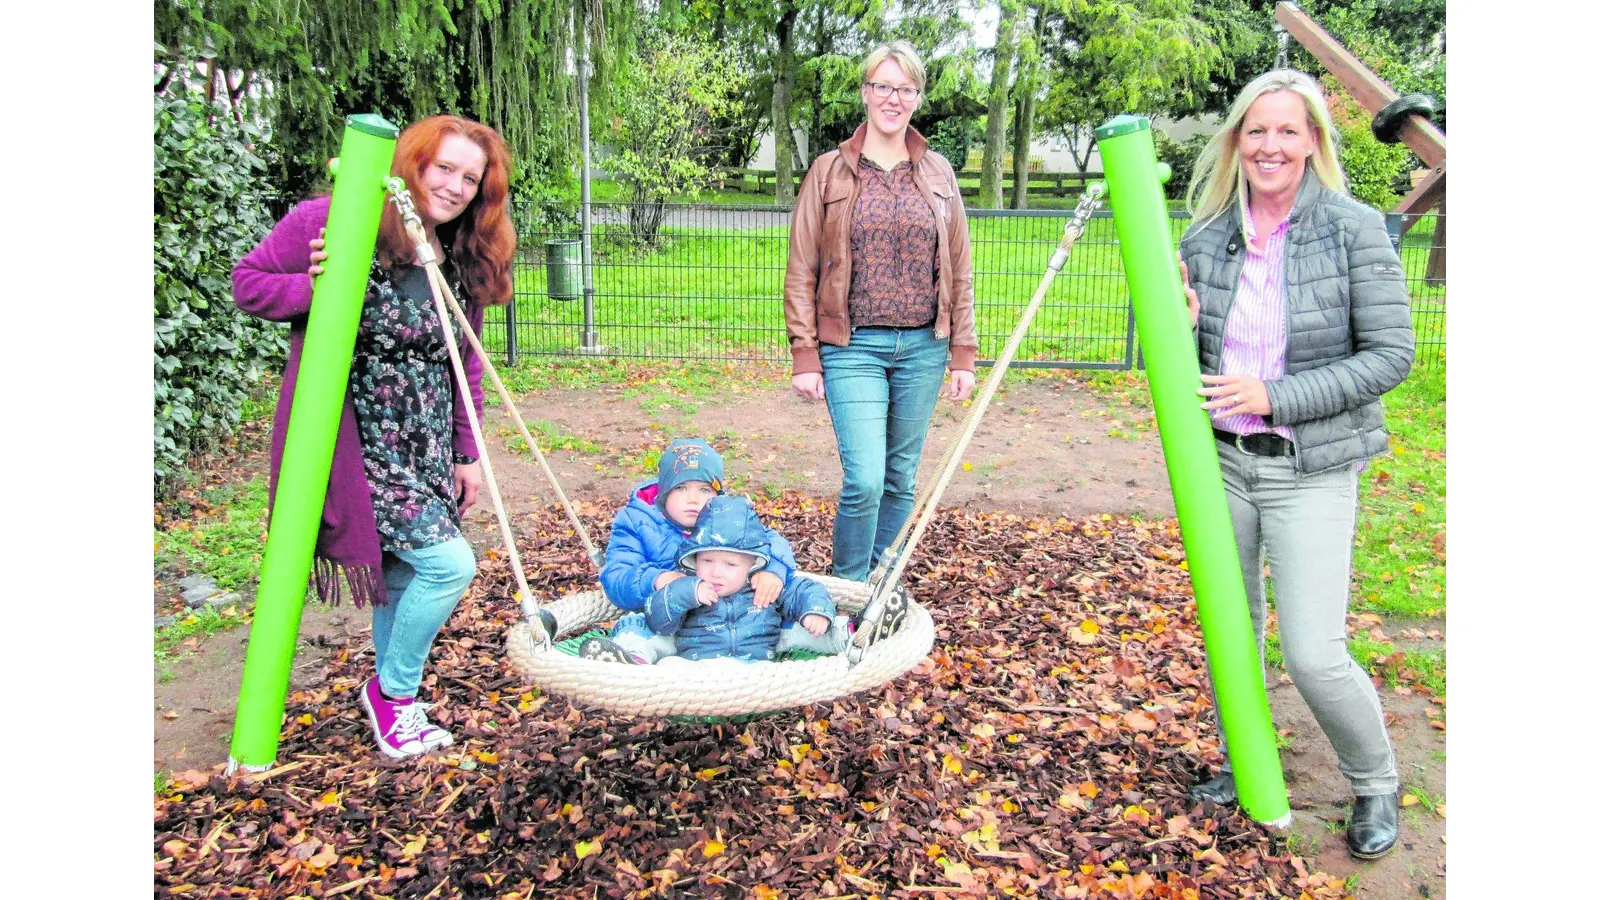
[(504, 64), (664, 123), (994, 142), (1027, 90), (1105, 57)]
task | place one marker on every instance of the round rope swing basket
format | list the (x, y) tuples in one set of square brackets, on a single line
[(881, 649), (717, 687)]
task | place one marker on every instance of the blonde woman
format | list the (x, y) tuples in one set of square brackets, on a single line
[(878, 298), (1303, 320)]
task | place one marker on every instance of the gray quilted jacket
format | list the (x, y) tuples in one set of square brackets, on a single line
[(1350, 335)]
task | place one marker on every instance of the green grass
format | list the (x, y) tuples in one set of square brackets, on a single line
[(163, 781), (1400, 535), (551, 437), (201, 623), (226, 546)]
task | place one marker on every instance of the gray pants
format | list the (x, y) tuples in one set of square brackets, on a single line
[(1303, 527)]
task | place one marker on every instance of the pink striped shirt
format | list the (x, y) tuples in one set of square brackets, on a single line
[(1255, 337)]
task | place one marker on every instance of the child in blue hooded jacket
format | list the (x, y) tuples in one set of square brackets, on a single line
[(716, 613), (642, 554)]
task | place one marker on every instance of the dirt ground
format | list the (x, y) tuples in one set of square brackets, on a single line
[(1049, 446)]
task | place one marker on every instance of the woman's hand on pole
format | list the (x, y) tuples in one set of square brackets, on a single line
[(1194, 299), (808, 385), (961, 382), (1235, 394), (468, 480), (317, 253)]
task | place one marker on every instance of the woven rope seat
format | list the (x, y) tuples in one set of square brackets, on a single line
[(717, 687)]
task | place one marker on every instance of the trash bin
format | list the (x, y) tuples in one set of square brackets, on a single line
[(563, 266)]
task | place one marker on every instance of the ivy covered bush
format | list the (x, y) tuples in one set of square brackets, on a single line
[(209, 211)]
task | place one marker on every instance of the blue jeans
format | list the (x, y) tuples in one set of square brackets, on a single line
[(424, 587), (881, 390)]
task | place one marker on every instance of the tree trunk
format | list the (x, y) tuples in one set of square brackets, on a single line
[(994, 142), (824, 46), (1027, 72), (782, 89), (1019, 150)]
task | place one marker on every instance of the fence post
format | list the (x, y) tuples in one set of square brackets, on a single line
[(511, 330)]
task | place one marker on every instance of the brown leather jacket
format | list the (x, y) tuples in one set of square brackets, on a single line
[(816, 289)]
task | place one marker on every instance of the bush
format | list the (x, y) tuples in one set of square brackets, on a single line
[(952, 138), (209, 211), (1181, 156), (1371, 167)]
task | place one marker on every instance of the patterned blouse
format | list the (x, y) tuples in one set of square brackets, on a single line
[(401, 381), (894, 251)]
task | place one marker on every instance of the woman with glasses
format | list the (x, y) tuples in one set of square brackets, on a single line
[(878, 299)]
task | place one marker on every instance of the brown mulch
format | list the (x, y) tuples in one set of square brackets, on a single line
[(1041, 751)]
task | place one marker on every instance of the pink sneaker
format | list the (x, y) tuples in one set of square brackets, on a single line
[(402, 728)]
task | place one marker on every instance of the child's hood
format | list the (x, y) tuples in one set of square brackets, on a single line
[(645, 493), (726, 523)]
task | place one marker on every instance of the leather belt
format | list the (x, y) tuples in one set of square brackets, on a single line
[(1263, 444)]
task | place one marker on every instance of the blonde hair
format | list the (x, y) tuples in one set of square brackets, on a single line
[(1219, 174), (904, 55)]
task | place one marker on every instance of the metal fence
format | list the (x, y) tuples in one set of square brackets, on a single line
[(706, 282)]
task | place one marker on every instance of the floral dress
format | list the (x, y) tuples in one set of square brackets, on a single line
[(401, 378)]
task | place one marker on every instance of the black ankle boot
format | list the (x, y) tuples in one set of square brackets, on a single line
[(1374, 826), (1220, 790)]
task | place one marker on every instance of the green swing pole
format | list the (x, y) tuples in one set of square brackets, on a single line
[(356, 207), (1127, 151)]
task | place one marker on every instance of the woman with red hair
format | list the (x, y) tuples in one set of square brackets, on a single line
[(404, 464)]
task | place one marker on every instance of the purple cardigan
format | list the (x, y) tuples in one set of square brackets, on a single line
[(271, 283)]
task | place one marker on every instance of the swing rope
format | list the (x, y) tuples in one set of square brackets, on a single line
[(443, 296), (892, 565)]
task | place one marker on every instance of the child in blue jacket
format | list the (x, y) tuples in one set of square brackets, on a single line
[(716, 613), (642, 554)]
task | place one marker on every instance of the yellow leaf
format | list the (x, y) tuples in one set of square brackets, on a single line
[(1089, 790), (798, 752), (966, 467), (586, 848), (485, 756), (713, 848), (708, 774), (1090, 626), (983, 730), (1118, 866), (952, 765), (1013, 738), (1408, 800), (1418, 507), (412, 848), (1086, 868), (329, 799), (761, 891), (305, 719), (935, 851), (1007, 806)]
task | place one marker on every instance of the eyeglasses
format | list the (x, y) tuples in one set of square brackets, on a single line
[(882, 91)]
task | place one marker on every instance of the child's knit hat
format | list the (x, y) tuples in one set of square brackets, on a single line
[(687, 459)]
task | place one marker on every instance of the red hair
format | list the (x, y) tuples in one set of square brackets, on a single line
[(481, 240)]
